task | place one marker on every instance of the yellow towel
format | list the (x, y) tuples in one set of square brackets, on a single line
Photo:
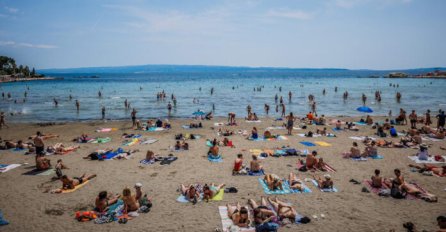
[(255, 151), (75, 188), (323, 144), (219, 195)]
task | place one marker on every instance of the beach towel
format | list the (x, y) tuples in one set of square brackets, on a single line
[(306, 189), (185, 126), (131, 142), (325, 189), (377, 157), (281, 128), (155, 129), (359, 159), (259, 173), (147, 141), (253, 121), (368, 184), (7, 167), (182, 198), (314, 135), (286, 188), (337, 130), (3, 222), (360, 123), (218, 159), (75, 188), (219, 124), (106, 129), (168, 160), (322, 143), (431, 160), (219, 195), (308, 144), (101, 140), (227, 222), (329, 168), (209, 143), (360, 138)]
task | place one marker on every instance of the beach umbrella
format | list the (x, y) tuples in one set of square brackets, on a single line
[(198, 113), (364, 109)]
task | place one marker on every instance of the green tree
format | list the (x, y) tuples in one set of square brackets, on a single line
[(33, 72), (26, 71)]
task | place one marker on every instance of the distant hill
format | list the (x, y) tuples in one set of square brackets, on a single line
[(205, 68), (175, 68)]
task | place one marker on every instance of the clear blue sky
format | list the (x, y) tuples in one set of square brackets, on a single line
[(374, 34)]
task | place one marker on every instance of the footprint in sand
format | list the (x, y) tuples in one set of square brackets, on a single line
[(154, 174), (172, 173)]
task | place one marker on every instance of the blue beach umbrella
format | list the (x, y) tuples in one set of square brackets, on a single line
[(198, 113), (364, 109)]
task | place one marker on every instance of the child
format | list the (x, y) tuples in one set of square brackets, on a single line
[(59, 167)]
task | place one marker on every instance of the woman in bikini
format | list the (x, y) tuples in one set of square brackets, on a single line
[(210, 191), (377, 181), (261, 212), (283, 210), (190, 193), (439, 171), (273, 182), (130, 202), (295, 183), (325, 183), (238, 215), (103, 201), (68, 183)]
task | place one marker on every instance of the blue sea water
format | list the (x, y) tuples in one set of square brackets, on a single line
[(418, 94)]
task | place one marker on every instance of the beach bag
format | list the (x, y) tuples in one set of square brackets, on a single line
[(291, 152), (396, 193), (267, 227)]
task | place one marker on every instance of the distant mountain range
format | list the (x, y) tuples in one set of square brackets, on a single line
[(205, 68)]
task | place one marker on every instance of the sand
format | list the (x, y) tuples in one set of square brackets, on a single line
[(28, 208)]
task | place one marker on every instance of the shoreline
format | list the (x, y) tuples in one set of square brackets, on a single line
[(19, 79)]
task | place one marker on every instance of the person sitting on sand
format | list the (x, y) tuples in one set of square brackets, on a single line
[(60, 149), (283, 210), (325, 183), (214, 150), (353, 153), (377, 179), (310, 116), (295, 183), (239, 168), (320, 165), (255, 164), (261, 212), (273, 182), (423, 154), (254, 133), (311, 160), (138, 125), (267, 134), (59, 166), (227, 143), (103, 201), (370, 150), (42, 163), (351, 126), (439, 171), (83, 138), (195, 125), (393, 131), (386, 124), (338, 125), (190, 192), (209, 116), (380, 132), (68, 183), (210, 191), (130, 202), (239, 215), (369, 120), (309, 134), (142, 199)]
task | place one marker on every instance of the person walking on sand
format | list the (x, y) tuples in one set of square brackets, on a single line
[(103, 112), (2, 120), (133, 115), (290, 123), (427, 119), (78, 105)]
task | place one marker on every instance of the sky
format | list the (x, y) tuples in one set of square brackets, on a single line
[(354, 34)]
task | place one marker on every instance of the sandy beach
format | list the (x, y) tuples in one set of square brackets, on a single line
[(27, 207)]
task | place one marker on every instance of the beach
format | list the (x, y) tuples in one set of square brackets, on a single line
[(28, 207)]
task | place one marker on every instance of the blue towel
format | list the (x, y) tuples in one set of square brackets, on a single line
[(377, 157), (359, 159), (3, 222), (332, 190), (259, 173), (279, 152), (256, 139), (286, 188), (306, 189), (215, 160), (182, 199), (336, 129), (3, 165), (360, 123), (209, 143), (308, 144), (137, 136)]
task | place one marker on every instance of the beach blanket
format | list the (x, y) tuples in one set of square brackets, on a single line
[(253, 121), (106, 129), (281, 128), (131, 142), (168, 160), (360, 138), (314, 135), (75, 188), (156, 129), (147, 162), (308, 144), (219, 124), (325, 189), (147, 141), (227, 222), (259, 173), (101, 140), (360, 123), (215, 160), (219, 195), (306, 189), (368, 184), (431, 160), (278, 138), (323, 144), (285, 186), (3, 222), (366, 158), (337, 130), (7, 167)]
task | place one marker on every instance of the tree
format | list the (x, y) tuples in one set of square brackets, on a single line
[(33, 72)]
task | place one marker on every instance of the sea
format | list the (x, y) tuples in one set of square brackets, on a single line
[(233, 90)]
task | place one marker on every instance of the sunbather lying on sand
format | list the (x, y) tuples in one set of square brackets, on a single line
[(103, 201), (45, 136), (190, 192), (239, 215), (210, 191), (295, 183), (225, 132), (60, 149), (96, 154), (408, 188), (261, 212), (440, 171), (20, 145), (273, 182), (82, 139), (68, 183), (351, 126), (325, 183), (181, 145), (439, 134), (283, 210)]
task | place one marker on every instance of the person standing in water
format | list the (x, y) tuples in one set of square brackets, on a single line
[(133, 115), (103, 112), (364, 99), (276, 98), (55, 102), (70, 97), (290, 95), (78, 105), (313, 107), (126, 104), (169, 108), (283, 110), (248, 109), (99, 94), (266, 109)]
